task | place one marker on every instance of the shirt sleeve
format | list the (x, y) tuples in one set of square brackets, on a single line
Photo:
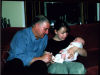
[(18, 46)]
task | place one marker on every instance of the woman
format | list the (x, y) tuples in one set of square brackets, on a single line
[(61, 40)]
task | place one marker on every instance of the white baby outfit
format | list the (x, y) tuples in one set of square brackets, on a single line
[(58, 58)]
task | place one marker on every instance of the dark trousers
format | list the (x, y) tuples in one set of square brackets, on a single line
[(16, 67)]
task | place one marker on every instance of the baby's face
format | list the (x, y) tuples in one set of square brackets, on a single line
[(78, 39)]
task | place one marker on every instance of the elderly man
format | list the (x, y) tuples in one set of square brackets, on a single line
[(27, 48)]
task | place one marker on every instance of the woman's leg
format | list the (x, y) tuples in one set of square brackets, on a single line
[(75, 68), (57, 68)]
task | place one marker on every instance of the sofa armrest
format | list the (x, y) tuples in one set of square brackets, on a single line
[(4, 55)]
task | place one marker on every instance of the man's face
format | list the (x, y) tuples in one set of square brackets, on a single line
[(43, 29)]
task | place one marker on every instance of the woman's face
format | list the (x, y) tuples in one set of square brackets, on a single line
[(62, 33)]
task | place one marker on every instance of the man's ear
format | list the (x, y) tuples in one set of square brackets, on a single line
[(37, 25), (55, 31)]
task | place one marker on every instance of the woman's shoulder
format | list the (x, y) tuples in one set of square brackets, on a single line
[(51, 40), (70, 38)]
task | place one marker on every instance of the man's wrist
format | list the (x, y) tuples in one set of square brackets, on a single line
[(35, 59)]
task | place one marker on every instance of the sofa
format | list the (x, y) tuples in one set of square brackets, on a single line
[(89, 32)]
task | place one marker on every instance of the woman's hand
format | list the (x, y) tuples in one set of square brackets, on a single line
[(81, 51), (73, 50), (71, 56)]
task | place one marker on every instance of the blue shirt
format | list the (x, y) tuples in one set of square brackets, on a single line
[(25, 46)]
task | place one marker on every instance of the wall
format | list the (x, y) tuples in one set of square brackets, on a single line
[(14, 10)]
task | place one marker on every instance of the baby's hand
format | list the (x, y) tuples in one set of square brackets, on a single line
[(71, 56), (61, 51)]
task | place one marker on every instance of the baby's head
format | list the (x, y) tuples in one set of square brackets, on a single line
[(79, 39)]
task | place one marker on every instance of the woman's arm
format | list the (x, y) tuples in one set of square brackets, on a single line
[(81, 51)]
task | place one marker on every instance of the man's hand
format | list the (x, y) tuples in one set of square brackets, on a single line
[(47, 57)]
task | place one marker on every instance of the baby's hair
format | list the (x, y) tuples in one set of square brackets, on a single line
[(83, 42)]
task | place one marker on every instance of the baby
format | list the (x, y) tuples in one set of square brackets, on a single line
[(65, 55)]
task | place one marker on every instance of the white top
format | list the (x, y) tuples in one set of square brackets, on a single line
[(58, 58)]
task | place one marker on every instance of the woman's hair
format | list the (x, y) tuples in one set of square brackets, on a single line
[(59, 24)]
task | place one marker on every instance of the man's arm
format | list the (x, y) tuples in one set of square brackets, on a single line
[(46, 58)]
